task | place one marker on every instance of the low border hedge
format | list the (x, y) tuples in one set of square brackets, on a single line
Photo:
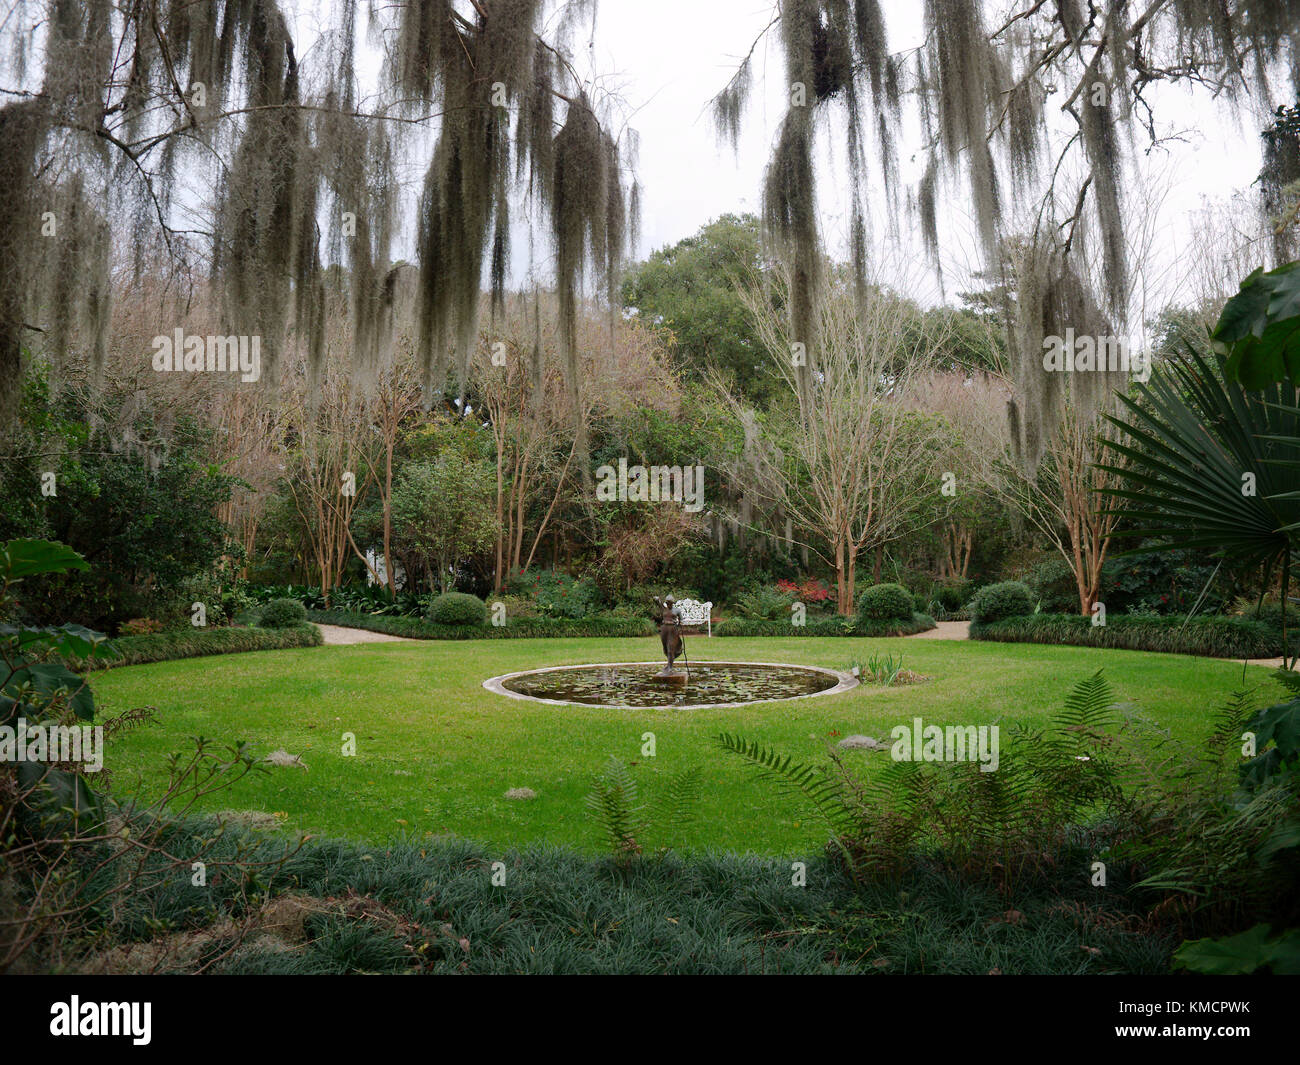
[(165, 646), (1213, 635), (519, 628), (836, 626)]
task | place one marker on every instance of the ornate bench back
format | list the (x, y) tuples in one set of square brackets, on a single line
[(694, 612)]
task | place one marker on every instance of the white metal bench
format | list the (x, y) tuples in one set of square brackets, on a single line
[(693, 612)]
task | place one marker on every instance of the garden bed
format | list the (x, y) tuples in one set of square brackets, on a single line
[(1212, 636), (834, 626), (165, 646), (520, 628)]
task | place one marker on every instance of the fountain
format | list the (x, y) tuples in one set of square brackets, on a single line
[(646, 684)]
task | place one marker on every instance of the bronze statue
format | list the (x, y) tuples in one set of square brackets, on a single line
[(670, 632)]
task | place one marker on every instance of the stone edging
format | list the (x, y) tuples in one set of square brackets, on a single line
[(847, 681)]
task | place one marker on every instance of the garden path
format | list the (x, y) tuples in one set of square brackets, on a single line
[(337, 634)]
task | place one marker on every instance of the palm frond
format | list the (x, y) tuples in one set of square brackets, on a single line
[(1206, 464)]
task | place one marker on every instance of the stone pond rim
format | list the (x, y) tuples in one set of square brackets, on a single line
[(838, 682)]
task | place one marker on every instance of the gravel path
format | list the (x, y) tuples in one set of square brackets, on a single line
[(337, 634), (947, 630)]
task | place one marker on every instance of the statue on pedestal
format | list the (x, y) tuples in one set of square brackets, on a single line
[(669, 620)]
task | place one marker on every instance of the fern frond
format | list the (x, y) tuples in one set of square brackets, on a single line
[(613, 803), (1090, 705), (817, 786), (675, 806)]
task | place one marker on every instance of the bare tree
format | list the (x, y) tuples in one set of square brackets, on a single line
[(520, 381), (976, 439), (327, 475), (854, 461)]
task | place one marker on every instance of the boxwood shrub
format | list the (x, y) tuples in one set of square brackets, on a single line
[(886, 602), (994, 602), (282, 613), (1213, 635), (457, 608)]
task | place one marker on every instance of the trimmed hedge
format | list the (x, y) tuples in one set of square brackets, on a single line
[(283, 614), (519, 628), (457, 608), (886, 602), (1212, 635), (165, 646), (837, 626), (1009, 599)]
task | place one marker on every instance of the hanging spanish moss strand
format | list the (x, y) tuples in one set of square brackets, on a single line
[(983, 86), (579, 214), (481, 69), (967, 88), (1050, 297), (1099, 140), (790, 221), (54, 240), (257, 254), (835, 50), (304, 191), (360, 178)]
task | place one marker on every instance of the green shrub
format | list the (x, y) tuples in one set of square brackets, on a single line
[(140, 627), (765, 604), (826, 626), (1164, 582), (515, 628), (282, 613), (886, 602), (872, 627), (1212, 635), (555, 594), (457, 608), (523, 606), (994, 602), (1052, 585), (952, 594), (1270, 613), (309, 596)]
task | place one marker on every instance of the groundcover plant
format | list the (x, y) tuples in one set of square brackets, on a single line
[(541, 486)]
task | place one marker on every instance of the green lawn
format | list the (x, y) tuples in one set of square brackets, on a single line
[(436, 752)]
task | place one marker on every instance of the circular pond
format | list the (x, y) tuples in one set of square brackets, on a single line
[(637, 684)]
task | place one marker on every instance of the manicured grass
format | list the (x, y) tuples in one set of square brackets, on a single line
[(436, 752)]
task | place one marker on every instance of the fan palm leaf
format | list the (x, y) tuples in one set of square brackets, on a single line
[(1203, 463)]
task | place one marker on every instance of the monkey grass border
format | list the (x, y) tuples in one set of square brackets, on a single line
[(200, 643), (521, 629), (846, 682)]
